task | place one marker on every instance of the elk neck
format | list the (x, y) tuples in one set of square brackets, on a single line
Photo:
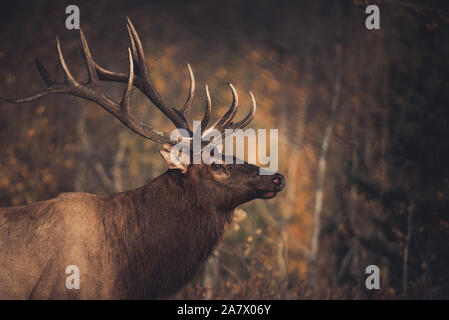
[(161, 228)]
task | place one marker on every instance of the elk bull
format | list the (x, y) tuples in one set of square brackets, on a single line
[(143, 243)]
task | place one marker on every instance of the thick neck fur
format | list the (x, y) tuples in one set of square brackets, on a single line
[(161, 233)]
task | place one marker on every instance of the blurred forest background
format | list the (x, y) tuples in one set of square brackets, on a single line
[(363, 115)]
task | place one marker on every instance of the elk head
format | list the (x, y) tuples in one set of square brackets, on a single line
[(230, 184)]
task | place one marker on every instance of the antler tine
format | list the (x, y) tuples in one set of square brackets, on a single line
[(44, 74), (93, 76), (124, 104), (133, 44), (221, 123), (67, 75), (187, 106), (208, 110), (248, 118)]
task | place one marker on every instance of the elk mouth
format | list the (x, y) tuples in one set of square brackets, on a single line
[(267, 194)]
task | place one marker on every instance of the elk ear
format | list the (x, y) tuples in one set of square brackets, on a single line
[(174, 160)]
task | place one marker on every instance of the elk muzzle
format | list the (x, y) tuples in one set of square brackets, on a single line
[(270, 186)]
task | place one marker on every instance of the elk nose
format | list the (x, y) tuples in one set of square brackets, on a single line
[(279, 180)]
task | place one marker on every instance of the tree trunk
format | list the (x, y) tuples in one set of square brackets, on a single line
[(322, 163)]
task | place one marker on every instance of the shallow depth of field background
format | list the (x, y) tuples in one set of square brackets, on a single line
[(371, 107)]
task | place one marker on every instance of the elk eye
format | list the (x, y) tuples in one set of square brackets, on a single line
[(217, 166)]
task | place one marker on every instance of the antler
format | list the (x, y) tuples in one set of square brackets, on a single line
[(138, 76), (93, 92)]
